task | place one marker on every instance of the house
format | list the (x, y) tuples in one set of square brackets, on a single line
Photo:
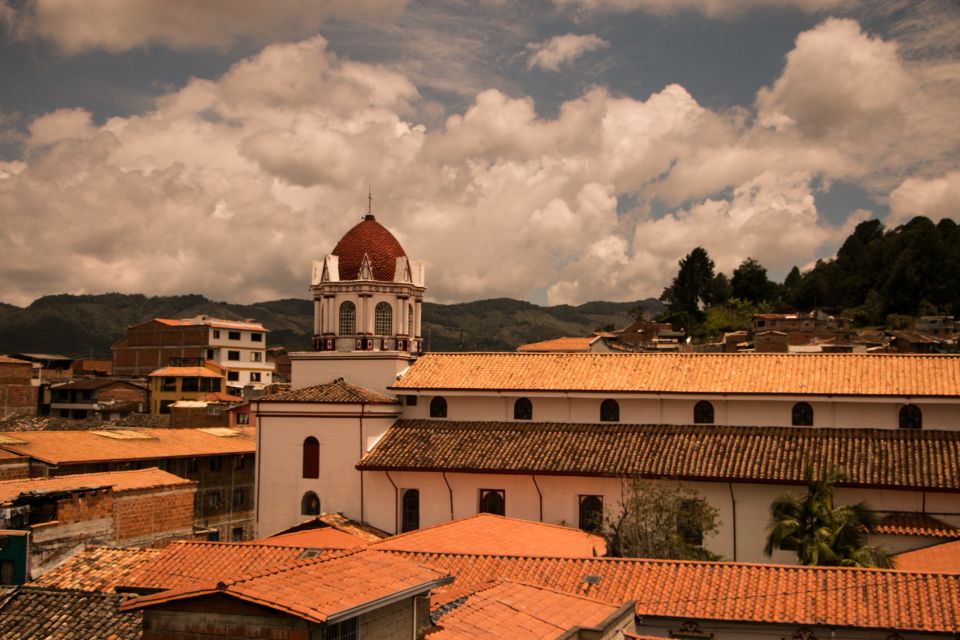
[(943, 327), (802, 328), (237, 347), (101, 398), (120, 508), (218, 459), (170, 384), (16, 386)]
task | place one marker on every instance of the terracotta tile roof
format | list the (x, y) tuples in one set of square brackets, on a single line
[(867, 457), (185, 372), (485, 533), (171, 322), (9, 360), (118, 480), (337, 391), (321, 538), (97, 569), (94, 383), (28, 613), (515, 610), (319, 589), (831, 596), (559, 344), (71, 447), (187, 563), (337, 521), (938, 558), (916, 524), (368, 238), (710, 373)]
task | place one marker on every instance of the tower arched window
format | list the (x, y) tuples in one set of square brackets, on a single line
[(348, 319), (609, 411), (410, 509), (703, 413), (311, 458), (310, 504), (383, 319), (410, 320), (523, 409), (911, 417), (438, 407), (802, 415), (493, 501)]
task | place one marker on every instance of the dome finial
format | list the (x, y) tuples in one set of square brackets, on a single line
[(369, 215)]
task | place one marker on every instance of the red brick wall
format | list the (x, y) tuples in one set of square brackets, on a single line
[(17, 394), (218, 616), (122, 393), (14, 468), (149, 346), (88, 506), (149, 516)]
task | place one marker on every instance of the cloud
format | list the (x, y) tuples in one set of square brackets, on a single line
[(76, 27), (710, 8), (552, 54), (935, 198)]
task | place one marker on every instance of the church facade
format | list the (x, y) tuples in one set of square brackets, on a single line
[(381, 433)]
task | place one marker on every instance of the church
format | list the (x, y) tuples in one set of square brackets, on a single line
[(383, 433)]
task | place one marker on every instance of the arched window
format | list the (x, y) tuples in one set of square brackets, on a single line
[(493, 501), (911, 417), (802, 415), (523, 409), (609, 411), (410, 509), (410, 320), (348, 319), (383, 319), (310, 504), (311, 458), (591, 513), (703, 413), (438, 408)]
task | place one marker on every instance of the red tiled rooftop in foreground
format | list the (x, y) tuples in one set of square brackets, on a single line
[(762, 593), (940, 557), (337, 392), (320, 538), (558, 344), (916, 524), (118, 480), (489, 534), (319, 589), (515, 610), (97, 569), (708, 373)]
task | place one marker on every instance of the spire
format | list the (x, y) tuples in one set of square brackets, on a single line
[(369, 215)]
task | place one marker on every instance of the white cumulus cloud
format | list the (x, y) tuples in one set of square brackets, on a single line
[(552, 54)]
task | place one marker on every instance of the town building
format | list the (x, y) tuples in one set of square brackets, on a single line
[(17, 387), (238, 347), (100, 398), (170, 384), (220, 460)]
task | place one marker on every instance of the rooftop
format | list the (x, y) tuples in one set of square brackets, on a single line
[(28, 613), (73, 447), (866, 457), (336, 392), (938, 558), (9, 360), (97, 569), (320, 538), (371, 239), (93, 384), (490, 534), (916, 524), (118, 480), (559, 344), (702, 373), (185, 372)]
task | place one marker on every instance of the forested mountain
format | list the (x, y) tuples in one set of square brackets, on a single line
[(86, 325)]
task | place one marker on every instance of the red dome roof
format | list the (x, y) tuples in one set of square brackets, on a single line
[(370, 238)]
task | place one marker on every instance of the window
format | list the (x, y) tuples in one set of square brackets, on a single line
[(210, 384), (348, 319), (233, 355), (256, 356), (410, 320), (192, 465), (213, 535), (703, 413), (310, 504), (493, 501), (190, 384), (411, 511), (165, 406), (215, 464), (591, 513), (233, 376), (240, 461), (346, 630), (243, 418), (238, 497), (311, 458), (438, 408), (216, 333), (256, 337), (609, 411), (383, 319), (233, 335), (523, 409), (236, 534), (214, 499), (911, 417), (168, 384), (254, 376), (411, 401), (802, 415)]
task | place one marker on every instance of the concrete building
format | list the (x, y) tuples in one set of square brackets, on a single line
[(170, 384), (17, 387), (100, 398)]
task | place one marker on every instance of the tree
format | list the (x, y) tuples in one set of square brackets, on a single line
[(750, 282), (821, 533), (690, 290), (661, 519)]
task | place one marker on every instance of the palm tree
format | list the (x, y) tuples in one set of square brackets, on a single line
[(821, 533)]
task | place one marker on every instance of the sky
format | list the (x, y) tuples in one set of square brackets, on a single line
[(558, 151)]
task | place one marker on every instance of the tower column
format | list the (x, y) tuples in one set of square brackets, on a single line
[(416, 318), (317, 317)]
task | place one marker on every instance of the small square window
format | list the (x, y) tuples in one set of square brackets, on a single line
[(256, 337), (233, 335), (233, 355), (254, 376), (411, 401), (216, 333), (233, 376), (236, 535), (215, 464), (256, 356), (192, 465)]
